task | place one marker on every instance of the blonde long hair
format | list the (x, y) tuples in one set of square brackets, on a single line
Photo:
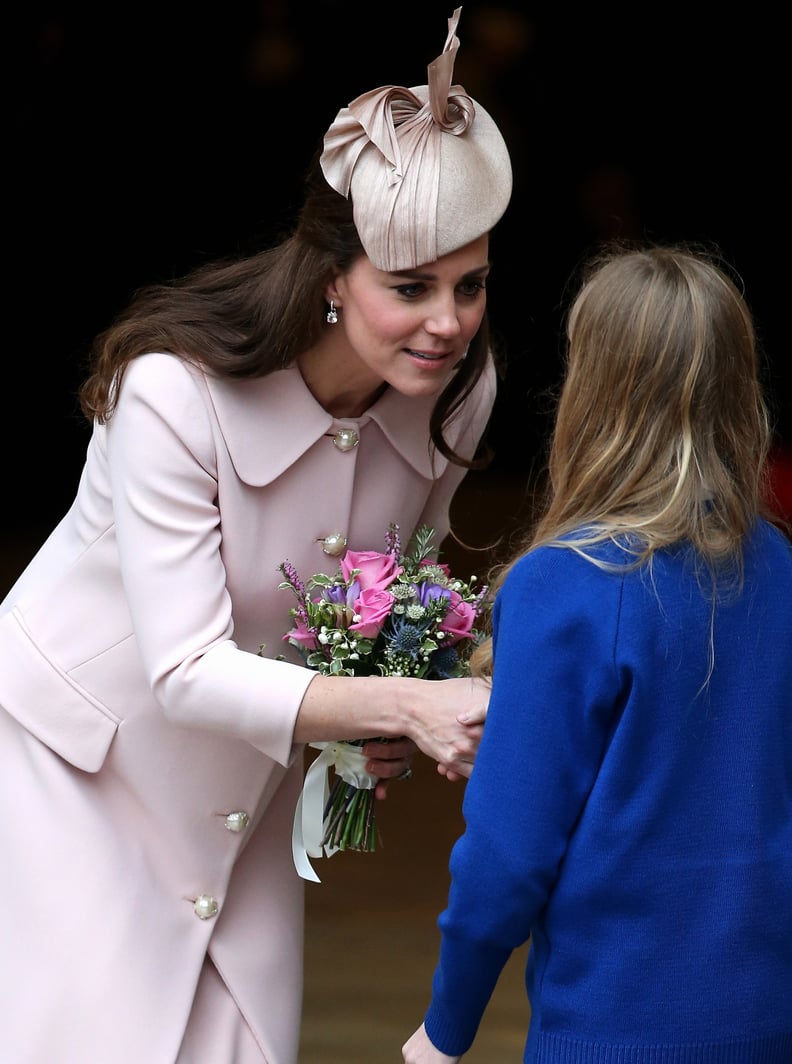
[(661, 431)]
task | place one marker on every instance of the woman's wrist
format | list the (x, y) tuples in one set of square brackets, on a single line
[(348, 707)]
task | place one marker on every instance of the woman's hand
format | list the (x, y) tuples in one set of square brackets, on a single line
[(473, 719), (393, 759), (443, 718), (419, 1050), (450, 728)]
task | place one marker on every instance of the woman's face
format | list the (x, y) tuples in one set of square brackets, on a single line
[(407, 329)]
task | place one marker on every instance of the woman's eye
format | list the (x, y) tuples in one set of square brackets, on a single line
[(467, 289), (472, 288)]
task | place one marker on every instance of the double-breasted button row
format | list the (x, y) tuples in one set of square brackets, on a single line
[(206, 906), (346, 440)]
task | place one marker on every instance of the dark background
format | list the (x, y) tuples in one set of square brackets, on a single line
[(146, 139)]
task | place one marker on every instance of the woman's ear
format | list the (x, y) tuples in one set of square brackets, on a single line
[(331, 291)]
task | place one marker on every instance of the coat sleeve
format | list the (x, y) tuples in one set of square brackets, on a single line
[(168, 526)]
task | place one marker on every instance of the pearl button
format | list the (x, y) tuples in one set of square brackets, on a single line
[(206, 906), (237, 821), (346, 439), (334, 544)]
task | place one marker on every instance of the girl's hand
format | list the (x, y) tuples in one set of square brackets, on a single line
[(419, 1050)]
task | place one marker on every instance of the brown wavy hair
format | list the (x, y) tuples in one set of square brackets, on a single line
[(250, 316)]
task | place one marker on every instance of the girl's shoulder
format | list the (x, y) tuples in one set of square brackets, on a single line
[(566, 566)]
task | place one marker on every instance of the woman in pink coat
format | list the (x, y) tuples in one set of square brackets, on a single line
[(285, 406)]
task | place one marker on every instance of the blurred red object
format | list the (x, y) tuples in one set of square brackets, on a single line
[(779, 468)]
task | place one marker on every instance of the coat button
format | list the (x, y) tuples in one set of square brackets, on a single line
[(206, 906), (237, 821), (334, 544), (346, 439)]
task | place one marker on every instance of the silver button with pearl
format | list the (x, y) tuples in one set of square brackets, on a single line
[(334, 544), (206, 906), (237, 821), (346, 439)]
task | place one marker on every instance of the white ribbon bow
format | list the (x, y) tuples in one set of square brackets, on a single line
[(309, 818)]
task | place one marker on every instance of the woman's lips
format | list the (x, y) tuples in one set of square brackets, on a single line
[(429, 356)]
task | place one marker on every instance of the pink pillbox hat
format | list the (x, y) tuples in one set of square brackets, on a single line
[(426, 167)]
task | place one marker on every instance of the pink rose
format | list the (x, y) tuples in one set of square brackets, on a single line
[(374, 607), (376, 570), (458, 622)]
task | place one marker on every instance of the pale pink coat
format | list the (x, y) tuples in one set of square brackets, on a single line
[(136, 713)]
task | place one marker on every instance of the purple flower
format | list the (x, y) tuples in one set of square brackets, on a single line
[(340, 595), (427, 592)]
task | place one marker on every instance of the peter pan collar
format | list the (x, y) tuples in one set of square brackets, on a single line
[(268, 423)]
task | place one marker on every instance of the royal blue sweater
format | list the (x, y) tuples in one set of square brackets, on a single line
[(631, 812)]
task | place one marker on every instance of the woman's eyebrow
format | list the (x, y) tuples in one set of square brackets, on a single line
[(427, 275)]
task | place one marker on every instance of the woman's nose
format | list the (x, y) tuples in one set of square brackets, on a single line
[(442, 319)]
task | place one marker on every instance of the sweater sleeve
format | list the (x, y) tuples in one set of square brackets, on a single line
[(555, 693)]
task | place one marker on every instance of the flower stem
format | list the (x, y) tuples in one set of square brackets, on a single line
[(350, 822)]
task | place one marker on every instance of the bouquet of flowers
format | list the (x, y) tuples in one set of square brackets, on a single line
[(381, 614)]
